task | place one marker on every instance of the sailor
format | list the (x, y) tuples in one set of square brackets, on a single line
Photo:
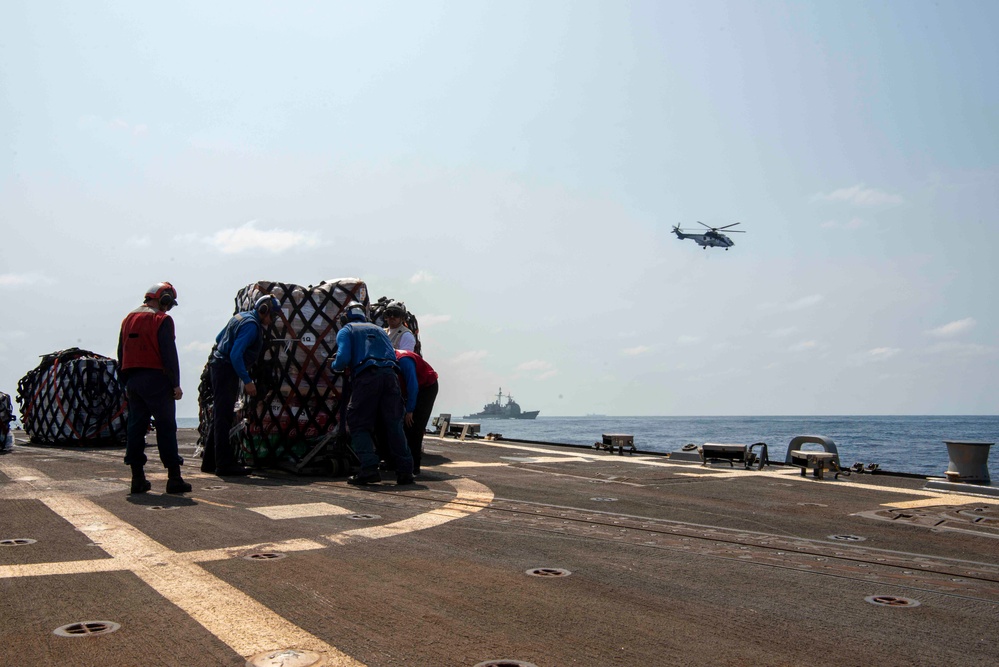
[(147, 357), (236, 349), (399, 334), (375, 399), (419, 381)]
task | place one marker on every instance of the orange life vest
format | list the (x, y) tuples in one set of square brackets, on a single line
[(140, 345)]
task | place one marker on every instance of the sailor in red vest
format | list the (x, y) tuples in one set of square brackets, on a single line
[(148, 364), (419, 384)]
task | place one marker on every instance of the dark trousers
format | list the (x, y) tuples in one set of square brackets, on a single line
[(219, 451), (421, 417), (376, 400), (150, 394)]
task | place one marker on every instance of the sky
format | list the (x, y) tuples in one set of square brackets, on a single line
[(512, 171)]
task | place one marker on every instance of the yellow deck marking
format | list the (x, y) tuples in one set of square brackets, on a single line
[(209, 502), (285, 546), (942, 500), (654, 462), (238, 620), (470, 464), (932, 496), (300, 511), (548, 459), (244, 624), (471, 498)]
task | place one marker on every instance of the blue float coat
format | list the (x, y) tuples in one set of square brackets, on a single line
[(361, 345), (240, 342)]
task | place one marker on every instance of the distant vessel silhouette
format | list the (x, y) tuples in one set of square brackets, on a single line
[(498, 410)]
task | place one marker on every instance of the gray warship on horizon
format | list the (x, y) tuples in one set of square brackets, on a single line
[(498, 410)]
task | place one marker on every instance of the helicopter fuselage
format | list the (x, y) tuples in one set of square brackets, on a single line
[(708, 239)]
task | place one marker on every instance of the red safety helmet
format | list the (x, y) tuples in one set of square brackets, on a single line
[(165, 293)]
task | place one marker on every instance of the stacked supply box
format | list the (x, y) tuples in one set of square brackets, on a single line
[(298, 398), (73, 396)]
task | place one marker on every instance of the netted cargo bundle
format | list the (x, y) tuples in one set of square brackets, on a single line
[(298, 398), (6, 414), (73, 396), (378, 317)]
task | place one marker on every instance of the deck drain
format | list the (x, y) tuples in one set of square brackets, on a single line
[(217, 487), (86, 629), (548, 572), (604, 500), (364, 517), (813, 505), (847, 538), (505, 663), (16, 542), (266, 555), (288, 657), (162, 507), (107, 479), (891, 601)]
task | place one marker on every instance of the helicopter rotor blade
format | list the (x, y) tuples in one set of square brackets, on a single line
[(732, 225), (703, 225)]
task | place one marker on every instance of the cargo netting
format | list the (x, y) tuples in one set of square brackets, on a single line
[(73, 396), (6, 414), (292, 422)]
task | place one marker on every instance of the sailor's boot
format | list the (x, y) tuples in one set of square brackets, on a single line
[(176, 483), (139, 482)]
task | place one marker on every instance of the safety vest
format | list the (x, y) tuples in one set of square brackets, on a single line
[(425, 374), (396, 334), (140, 345), (369, 346), (226, 339)]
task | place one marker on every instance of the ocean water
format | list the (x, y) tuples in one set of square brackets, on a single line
[(898, 444)]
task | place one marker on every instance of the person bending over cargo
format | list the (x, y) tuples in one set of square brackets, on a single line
[(419, 382), (375, 399), (236, 349), (147, 359)]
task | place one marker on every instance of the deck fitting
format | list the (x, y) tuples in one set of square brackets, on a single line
[(505, 663), (848, 538), (364, 517), (548, 572), (266, 555), (86, 629), (17, 542), (604, 500), (287, 657), (891, 601)]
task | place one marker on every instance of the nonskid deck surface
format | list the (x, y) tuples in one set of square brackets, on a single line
[(506, 552)]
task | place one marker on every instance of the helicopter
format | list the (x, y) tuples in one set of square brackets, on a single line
[(712, 237)]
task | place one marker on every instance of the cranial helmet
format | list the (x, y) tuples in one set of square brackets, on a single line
[(266, 305), (355, 312), (395, 308), (165, 293)]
